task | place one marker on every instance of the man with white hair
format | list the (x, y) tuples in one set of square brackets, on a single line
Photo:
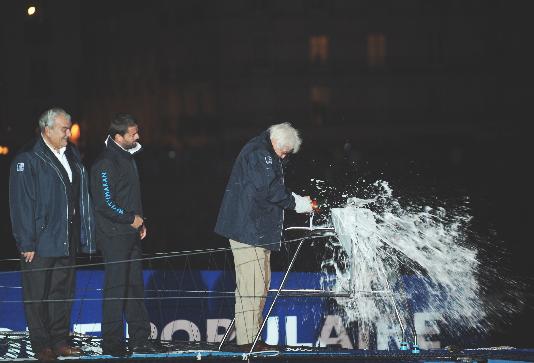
[(252, 216), (51, 217)]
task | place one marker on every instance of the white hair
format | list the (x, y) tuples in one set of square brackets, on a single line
[(48, 117), (286, 137)]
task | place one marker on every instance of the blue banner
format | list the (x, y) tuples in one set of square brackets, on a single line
[(198, 305)]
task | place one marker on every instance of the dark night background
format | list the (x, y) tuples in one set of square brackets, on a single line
[(432, 96)]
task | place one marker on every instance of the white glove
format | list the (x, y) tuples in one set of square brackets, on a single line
[(302, 204)]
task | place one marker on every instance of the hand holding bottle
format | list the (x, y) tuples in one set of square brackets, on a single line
[(302, 204)]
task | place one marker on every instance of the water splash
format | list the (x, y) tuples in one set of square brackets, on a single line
[(382, 246)]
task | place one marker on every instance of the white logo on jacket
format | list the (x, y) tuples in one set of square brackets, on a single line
[(268, 160), (20, 166)]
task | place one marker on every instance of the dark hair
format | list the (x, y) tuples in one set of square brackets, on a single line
[(120, 124)]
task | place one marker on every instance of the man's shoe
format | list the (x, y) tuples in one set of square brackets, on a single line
[(115, 351), (262, 346), (46, 355), (259, 347), (68, 351), (147, 347)]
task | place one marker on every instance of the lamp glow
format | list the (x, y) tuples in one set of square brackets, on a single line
[(75, 133)]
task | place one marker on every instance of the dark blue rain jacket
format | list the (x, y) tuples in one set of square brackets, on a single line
[(38, 203), (252, 209)]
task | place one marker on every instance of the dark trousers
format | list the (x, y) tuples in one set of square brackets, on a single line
[(52, 279), (123, 280)]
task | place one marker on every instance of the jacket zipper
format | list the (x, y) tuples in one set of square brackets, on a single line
[(283, 210), (66, 196), (87, 227)]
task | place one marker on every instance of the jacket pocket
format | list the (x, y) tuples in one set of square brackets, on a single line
[(262, 219), (41, 225), (119, 228)]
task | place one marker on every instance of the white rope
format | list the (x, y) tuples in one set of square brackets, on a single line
[(165, 256), (226, 294)]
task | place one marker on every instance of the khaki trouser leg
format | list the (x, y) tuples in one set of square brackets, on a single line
[(253, 276)]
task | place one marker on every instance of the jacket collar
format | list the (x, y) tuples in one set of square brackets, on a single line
[(60, 151), (42, 147), (113, 146), (266, 139)]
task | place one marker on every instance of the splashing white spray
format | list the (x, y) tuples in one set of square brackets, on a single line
[(382, 241)]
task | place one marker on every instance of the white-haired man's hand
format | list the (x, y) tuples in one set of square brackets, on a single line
[(302, 204)]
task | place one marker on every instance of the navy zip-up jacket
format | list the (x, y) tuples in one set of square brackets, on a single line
[(38, 203), (116, 191), (252, 210)]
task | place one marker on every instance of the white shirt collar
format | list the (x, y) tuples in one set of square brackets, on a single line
[(60, 155), (61, 151), (131, 151)]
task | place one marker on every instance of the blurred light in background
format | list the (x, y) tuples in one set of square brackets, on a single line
[(32, 10), (75, 133), (376, 49), (4, 150), (319, 49)]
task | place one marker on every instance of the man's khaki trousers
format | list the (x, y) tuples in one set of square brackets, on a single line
[(253, 276)]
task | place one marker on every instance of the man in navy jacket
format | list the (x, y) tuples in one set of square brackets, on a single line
[(116, 194), (252, 216), (51, 216)]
